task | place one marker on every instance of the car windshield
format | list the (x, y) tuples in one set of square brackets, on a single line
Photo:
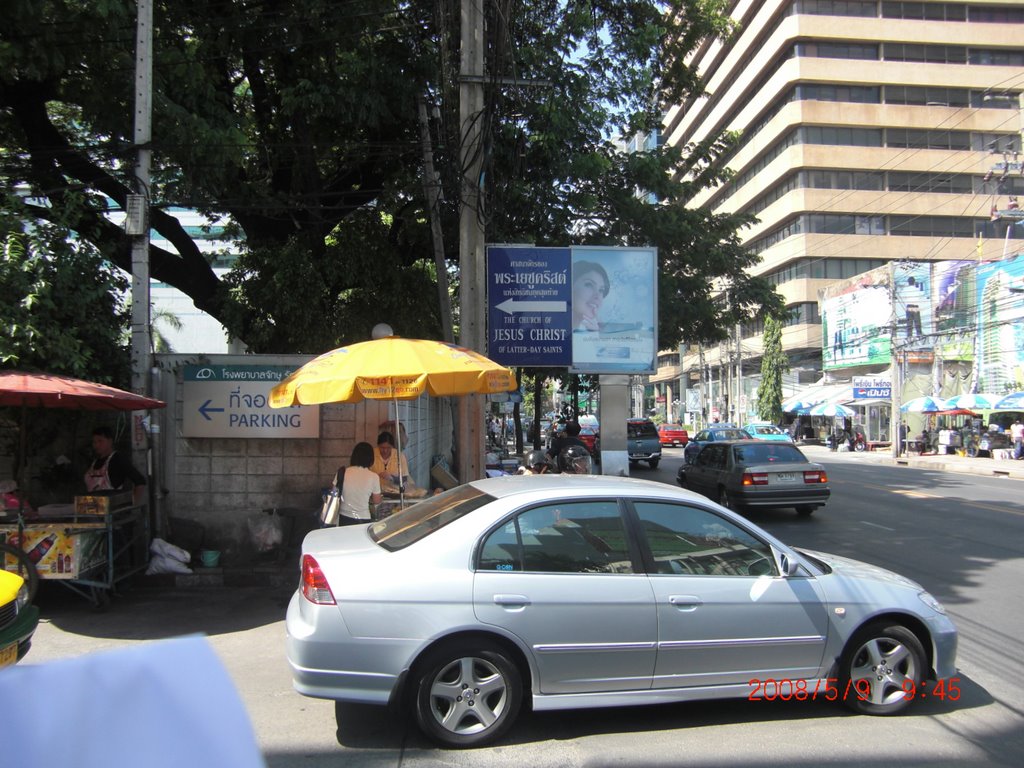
[(423, 518), (767, 430), (768, 453)]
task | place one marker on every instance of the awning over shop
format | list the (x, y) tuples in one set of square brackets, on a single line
[(831, 392), (867, 401)]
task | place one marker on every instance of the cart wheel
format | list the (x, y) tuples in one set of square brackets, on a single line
[(15, 560)]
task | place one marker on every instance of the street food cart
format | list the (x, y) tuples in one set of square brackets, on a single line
[(98, 540), (89, 546)]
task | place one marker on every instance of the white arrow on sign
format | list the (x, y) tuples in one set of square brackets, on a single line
[(511, 305)]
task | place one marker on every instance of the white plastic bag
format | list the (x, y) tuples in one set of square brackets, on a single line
[(159, 547), (266, 531)]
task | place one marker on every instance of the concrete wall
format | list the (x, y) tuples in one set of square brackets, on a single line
[(221, 482)]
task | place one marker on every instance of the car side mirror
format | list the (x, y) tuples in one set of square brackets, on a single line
[(790, 567)]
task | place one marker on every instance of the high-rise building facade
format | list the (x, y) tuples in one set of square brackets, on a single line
[(868, 133)]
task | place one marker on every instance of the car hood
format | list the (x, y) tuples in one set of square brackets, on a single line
[(846, 567)]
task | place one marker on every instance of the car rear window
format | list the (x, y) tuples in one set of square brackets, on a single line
[(731, 434), (767, 454), (423, 518), (641, 429)]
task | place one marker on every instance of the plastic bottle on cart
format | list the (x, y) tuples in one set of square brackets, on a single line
[(38, 552)]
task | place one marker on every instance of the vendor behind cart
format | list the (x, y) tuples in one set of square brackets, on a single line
[(112, 471)]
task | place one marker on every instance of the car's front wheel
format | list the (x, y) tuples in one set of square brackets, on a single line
[(467, 694), (880, 667)]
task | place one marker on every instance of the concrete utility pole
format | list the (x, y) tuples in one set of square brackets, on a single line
[(470, 429), (137, 222), (896, 385)]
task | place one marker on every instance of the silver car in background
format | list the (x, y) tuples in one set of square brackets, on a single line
[(564, 592)]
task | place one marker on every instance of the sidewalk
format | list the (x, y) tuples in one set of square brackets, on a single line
[(983, 467)]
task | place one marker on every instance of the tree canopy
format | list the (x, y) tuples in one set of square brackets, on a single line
[(298, 121)]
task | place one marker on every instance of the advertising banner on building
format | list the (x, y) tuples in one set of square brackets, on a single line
[(855, 321), (913, 307), (999, 363), (954, 309)]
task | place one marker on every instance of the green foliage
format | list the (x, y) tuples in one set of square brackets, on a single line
[(774, 363), (60, 308), (297, 121)]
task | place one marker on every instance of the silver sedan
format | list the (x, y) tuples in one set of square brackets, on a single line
[(566, 592)]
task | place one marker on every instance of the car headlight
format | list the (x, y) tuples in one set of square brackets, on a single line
[(931, 602), (22, 599)]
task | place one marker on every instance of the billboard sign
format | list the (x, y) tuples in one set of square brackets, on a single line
[(614, 310), (590, 309)]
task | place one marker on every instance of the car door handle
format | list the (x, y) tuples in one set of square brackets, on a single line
[(512, 601), (685, 602)]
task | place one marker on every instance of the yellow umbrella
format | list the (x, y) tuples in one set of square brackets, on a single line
[(392, 368)]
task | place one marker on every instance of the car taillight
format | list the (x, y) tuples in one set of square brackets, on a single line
[(314, 584), (755, 478), (815, 476)]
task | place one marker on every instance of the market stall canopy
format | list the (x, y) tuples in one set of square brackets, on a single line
[(972, 401), (46, 390), (831, 409), (1011, 402), (957, 412), (923, 405), (392, 368)]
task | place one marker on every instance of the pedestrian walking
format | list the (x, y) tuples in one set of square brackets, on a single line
[(1017, 435)]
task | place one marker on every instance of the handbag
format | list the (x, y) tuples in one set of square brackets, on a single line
[(331, 509)]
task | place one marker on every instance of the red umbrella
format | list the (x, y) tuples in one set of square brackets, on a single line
[(46, 390)]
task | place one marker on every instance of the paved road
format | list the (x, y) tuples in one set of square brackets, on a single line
[(962, 536)]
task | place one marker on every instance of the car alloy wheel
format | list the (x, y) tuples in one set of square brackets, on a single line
[(467, 694), (880, 664)]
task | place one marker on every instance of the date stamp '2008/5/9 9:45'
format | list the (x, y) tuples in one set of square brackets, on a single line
[(833, 689)]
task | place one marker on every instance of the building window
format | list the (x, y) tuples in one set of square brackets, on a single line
[(925, 11), (834, 8)]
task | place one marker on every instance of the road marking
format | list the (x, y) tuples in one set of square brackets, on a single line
[(922, 495), (915, 494), (876, 525)]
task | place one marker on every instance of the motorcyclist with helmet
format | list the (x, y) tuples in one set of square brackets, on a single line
[(536, 464), (575, 460)]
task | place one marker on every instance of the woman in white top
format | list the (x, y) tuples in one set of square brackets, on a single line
[(360, 487)]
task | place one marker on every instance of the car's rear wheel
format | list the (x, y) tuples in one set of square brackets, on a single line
[(805, 510), (879, 668), (725, 499), (467, 694), (654, 463)]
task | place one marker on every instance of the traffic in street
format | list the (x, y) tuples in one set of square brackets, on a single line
[(960, 536)]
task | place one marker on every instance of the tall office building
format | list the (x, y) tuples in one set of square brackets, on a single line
[(867, 133)]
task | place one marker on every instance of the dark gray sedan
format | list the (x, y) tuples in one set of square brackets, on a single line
[(754, 473)]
